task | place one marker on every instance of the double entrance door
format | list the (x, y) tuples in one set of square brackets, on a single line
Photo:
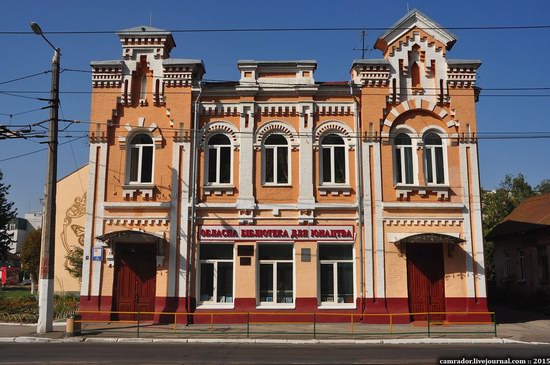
[(135, 280), (426, 280)]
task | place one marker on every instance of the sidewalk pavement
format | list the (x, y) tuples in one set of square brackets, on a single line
[(533, 332)]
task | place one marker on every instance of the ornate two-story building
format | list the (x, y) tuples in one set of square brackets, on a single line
[(279, 193)]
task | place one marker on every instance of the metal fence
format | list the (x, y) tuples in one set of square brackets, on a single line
[(265, 324)]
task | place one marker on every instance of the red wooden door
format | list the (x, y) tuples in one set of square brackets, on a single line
[(425, 274), (135, 280)]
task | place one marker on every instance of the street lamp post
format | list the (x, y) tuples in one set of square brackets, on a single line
[(47, 249)]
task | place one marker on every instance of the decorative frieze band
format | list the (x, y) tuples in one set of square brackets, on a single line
[(461, 77), (423, 221), (277, 110), (107, 77), (126, 221)]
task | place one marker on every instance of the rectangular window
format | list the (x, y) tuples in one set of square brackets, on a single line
[(225, 165), (276, 282), (327, 168), (429, 164), (147, 164), (398, 164), (282, 165), (269, 176), (134, 163), (339, 165), (439, 173), (212, 165), (216, 274), (507, 273), (336, 279), (409, 179)]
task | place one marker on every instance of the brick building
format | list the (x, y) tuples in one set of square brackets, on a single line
[(281, 193)]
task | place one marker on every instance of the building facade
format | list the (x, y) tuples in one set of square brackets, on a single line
[(522, 251), (280, 193)]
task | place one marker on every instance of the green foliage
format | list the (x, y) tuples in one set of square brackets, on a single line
[(7, 213), (30, 252), (543, 187), (74, 262), (29, 304)]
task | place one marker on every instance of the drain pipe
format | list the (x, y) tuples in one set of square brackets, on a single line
[(193, 185), (359, 172)]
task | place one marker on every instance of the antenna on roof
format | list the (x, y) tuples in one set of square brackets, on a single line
[(408, 7), (150, 18), (363, 49)]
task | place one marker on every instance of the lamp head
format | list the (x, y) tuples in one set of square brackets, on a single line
[(36, 28)]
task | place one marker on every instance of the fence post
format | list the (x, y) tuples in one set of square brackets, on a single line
[(211, 322), (175, 322), (247, 324), (351, 316), (428, 324), (391, 324), (314, 326), (139, 315), (495, 322)]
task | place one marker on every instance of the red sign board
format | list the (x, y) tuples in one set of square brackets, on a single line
[(276, 233)]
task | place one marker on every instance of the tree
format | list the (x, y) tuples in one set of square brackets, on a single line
[(497, 204), (543, 187), (7, 213), (30, 256), (74, 262)]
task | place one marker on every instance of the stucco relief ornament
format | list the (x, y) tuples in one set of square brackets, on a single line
[(76, 210)]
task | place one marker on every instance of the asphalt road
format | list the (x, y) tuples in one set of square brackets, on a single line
[(88, 353)]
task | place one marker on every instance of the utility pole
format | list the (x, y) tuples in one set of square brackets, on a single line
[(47, 249)]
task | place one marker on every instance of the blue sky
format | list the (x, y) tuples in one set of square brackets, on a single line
[(511, 58)]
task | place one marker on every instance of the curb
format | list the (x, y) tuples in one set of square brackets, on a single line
[(419, 341)]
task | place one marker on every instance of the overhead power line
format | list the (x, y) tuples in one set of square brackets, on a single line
[(25, 77), (40, 150), (279, 30)]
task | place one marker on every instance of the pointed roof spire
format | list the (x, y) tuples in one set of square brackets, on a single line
[(415, 19)]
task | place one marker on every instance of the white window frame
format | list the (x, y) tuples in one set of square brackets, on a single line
[(217, 148), (332, 165), (400, 149), (129, 148), (214, 303), (335, 304), (430, 149), (274, 304), (264, 161)]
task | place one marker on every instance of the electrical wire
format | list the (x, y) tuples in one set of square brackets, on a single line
[(25, 77), (37, 151), (275, 30)]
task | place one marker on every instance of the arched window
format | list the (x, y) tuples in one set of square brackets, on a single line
[(404, 166), (276, 159), (141, 159), (434, 161), (219, 159), (333, 160)]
